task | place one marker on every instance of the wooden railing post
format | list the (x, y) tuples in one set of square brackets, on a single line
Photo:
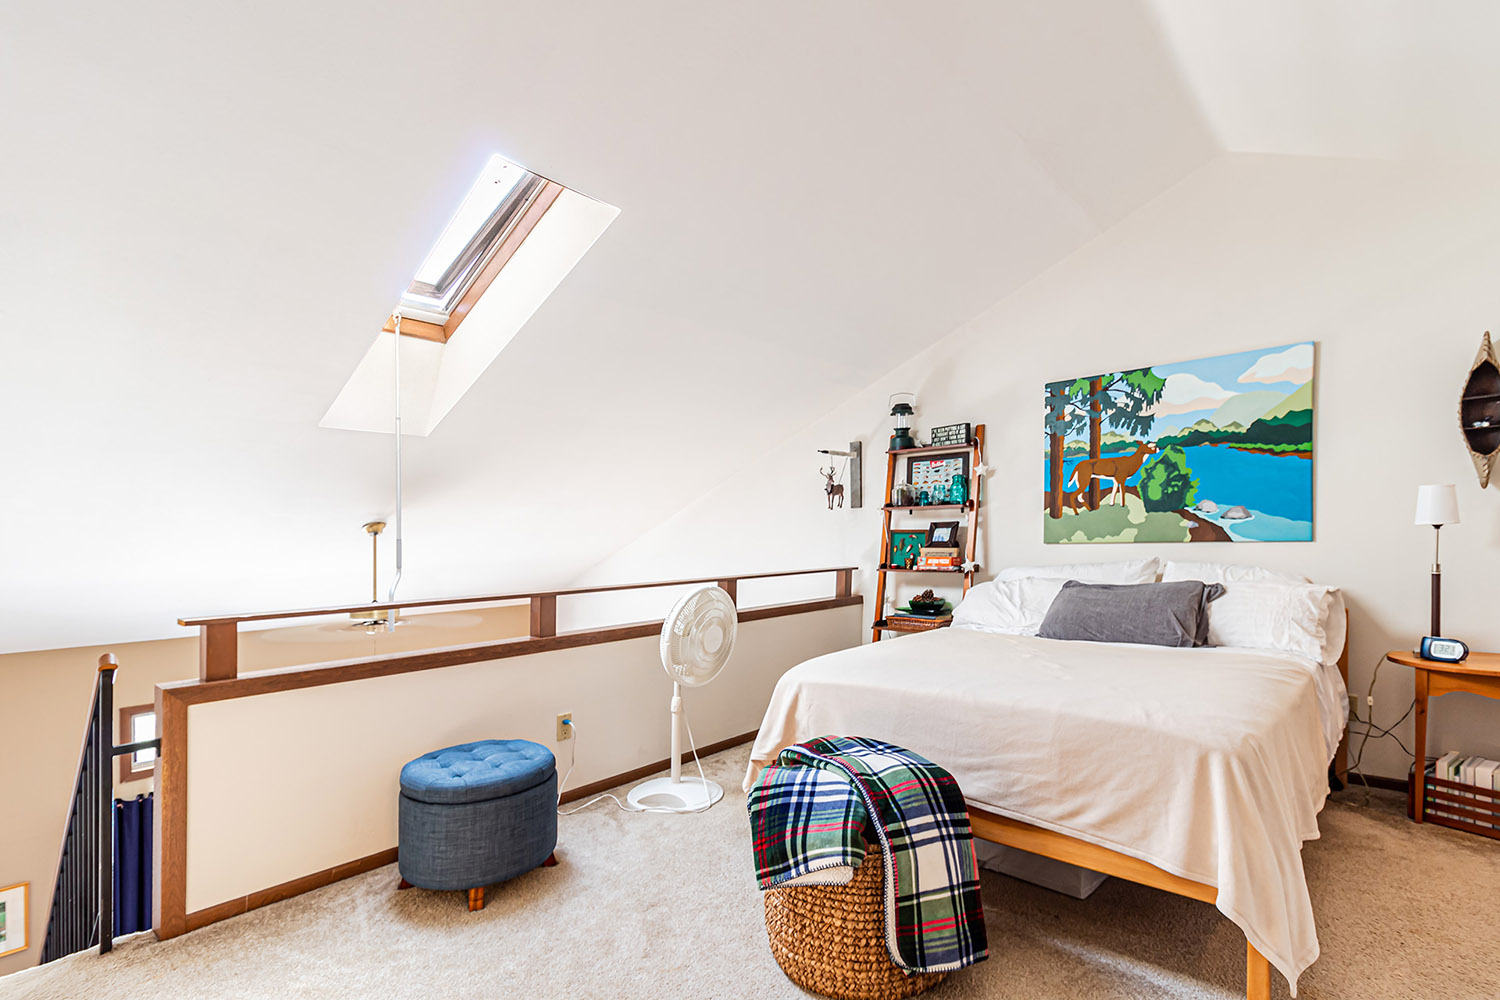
[(543, 616), (218, 651), (731, 587), (845, 585)]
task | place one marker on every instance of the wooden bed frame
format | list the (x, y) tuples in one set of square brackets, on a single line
[(1024, 836), (1013, 833)]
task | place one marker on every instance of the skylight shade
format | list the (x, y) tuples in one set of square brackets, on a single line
[(492, 206)]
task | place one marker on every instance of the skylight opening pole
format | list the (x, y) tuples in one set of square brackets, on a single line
[(396, 367)]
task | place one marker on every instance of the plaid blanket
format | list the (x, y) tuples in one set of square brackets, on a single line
[(813, 810)]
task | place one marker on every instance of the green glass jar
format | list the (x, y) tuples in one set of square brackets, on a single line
[(958, 492)]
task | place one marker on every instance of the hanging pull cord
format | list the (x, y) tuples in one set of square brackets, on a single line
[(396, 367)]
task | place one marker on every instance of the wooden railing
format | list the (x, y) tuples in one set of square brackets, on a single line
[(221, 680), (218, 636)]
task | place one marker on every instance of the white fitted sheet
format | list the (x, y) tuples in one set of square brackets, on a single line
[(1208, 763)]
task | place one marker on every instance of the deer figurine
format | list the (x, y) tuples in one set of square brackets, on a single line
[(1116, 468), (831, 488)]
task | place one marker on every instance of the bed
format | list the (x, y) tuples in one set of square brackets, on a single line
[(1200, 771)]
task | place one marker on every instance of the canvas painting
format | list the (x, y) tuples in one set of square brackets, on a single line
[(1214, 450)]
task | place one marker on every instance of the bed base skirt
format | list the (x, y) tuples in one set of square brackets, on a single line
[(1013, 833)]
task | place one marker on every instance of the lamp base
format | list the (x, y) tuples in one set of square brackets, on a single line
[(666, 795), (1437, 603)]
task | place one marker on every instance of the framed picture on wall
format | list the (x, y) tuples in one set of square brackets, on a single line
[(15, 918)]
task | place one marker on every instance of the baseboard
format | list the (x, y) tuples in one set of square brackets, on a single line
[(1376, 781), (604, 785), (307, 883), (286, 890)]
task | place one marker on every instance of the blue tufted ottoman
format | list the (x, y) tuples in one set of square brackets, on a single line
[(475, 814)]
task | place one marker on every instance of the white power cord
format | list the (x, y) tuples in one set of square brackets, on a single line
[(573, 760)]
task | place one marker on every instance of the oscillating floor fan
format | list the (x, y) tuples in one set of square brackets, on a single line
[(696, 640)]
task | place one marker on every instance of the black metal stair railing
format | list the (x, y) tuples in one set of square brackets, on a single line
[(83, 896)]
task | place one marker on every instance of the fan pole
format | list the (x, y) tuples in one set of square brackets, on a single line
[(676, 733)]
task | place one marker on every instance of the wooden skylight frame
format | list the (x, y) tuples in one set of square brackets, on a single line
[(505, 239)]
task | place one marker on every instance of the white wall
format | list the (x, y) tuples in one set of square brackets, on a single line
[(343, 745), (1390, 267)]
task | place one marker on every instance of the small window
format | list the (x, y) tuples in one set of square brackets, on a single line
[(491, 209), (137, 724)]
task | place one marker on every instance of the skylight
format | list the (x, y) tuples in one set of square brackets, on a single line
[(488, 213), (512, 241)]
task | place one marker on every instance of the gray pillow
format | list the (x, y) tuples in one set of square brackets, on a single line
[(1155, 614)]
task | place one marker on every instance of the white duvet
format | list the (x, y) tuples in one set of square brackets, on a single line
[(1208, 763)]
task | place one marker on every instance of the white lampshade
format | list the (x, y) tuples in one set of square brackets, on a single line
[(1437, 504)]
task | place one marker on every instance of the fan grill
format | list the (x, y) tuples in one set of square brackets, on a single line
[(698, 635)]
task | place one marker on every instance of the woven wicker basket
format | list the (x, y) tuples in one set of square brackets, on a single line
[(831, 938)]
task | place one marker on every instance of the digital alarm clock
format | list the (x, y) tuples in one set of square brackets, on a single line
[(1443, 650)]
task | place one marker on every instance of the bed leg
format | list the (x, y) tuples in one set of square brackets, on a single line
[(1257, 974)]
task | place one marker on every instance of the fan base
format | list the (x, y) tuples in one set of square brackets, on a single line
[(666, 795)]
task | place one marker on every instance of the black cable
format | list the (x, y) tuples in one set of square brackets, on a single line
[(1371, 728)]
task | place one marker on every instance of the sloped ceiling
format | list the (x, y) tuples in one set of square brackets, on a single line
[(1380, 79), (206, 210)]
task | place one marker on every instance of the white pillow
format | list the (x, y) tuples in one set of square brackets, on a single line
[(1214, 572), (1335, 628), (1010, 607), (1274, 615), (1129, 571)]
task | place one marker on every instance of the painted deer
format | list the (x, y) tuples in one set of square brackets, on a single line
[(832, 489), (1116, 468)]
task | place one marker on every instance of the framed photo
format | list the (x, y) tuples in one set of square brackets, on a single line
[(925, 473), (950, 434), (906, 546), (15, 918), (942, 535)]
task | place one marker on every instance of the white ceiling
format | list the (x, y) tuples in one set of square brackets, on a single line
[(1384, 79), (206, 211)]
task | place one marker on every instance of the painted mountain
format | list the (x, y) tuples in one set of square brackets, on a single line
[(1214, 450)]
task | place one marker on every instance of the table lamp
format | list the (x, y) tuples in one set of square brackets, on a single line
[(1437, 505)]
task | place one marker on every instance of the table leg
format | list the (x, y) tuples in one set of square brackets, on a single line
[(1420, 778)]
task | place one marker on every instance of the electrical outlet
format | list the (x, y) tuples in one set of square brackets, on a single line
[(565, 726)]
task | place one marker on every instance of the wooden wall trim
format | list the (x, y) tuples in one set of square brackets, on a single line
[(543, 616), (286, 890), (340, 671), (169, 829)]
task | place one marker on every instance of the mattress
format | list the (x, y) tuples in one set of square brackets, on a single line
[(1208, 763)]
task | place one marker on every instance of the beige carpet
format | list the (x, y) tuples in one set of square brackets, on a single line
[(665, 906)]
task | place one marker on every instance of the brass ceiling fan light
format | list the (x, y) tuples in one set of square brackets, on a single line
[(371, 621)]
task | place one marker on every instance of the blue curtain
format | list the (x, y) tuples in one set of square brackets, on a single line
[(133, 864)]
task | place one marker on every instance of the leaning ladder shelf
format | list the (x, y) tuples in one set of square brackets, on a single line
[(969, 511)]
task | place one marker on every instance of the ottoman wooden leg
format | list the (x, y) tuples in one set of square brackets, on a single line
[(476, 899), (551, 861), (403, 884)]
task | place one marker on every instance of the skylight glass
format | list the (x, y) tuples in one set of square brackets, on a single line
[(499, 178), (487, 214)]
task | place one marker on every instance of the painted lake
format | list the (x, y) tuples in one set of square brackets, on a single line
[(1275, 489)]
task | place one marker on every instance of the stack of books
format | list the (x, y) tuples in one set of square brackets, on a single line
[(936, 558), (1480, 773)]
